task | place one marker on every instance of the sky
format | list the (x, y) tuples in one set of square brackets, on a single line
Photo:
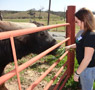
[(56, 5)]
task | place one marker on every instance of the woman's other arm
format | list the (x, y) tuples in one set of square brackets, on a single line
[(85, 62)]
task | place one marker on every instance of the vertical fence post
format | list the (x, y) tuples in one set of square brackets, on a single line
[(70, 32), (15, 61)]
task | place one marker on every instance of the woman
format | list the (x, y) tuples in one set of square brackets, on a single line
[(85, 46)]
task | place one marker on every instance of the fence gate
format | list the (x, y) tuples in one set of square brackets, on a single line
[(70, 33)]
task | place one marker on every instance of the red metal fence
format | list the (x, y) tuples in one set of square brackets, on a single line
[(69, 63)]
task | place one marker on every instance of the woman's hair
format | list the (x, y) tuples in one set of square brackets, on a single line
[(87, 17)]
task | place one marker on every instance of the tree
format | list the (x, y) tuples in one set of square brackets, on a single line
[(32, 13), (1, 16), (40, 11), (64, 14)]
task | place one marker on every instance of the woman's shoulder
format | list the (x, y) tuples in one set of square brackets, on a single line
[(90, 34), (89, 39)]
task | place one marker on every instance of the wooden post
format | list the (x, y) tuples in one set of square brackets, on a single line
[(70, 32), (49, 12)]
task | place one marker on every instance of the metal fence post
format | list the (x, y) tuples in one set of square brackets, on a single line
[(70, 32)]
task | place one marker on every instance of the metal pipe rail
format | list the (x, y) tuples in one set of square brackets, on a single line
[(65, 73), (15, 33), (53, 79)]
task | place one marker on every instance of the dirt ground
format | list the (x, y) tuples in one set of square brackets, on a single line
[(29, 76)]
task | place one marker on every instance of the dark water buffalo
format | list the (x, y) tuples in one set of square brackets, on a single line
[(32, 43)]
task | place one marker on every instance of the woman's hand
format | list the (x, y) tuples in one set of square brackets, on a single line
[(76, 77), (67, 47), (72, 46)]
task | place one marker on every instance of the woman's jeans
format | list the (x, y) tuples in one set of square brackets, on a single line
[(87, 78)]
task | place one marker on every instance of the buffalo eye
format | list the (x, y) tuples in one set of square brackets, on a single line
[(42, 33)]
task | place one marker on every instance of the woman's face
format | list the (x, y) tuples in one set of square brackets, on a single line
[(79, 23)]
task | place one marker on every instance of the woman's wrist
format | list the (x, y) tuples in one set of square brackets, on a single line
[(77, 74)]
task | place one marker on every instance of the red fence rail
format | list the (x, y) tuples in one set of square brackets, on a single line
[(68, 72)]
